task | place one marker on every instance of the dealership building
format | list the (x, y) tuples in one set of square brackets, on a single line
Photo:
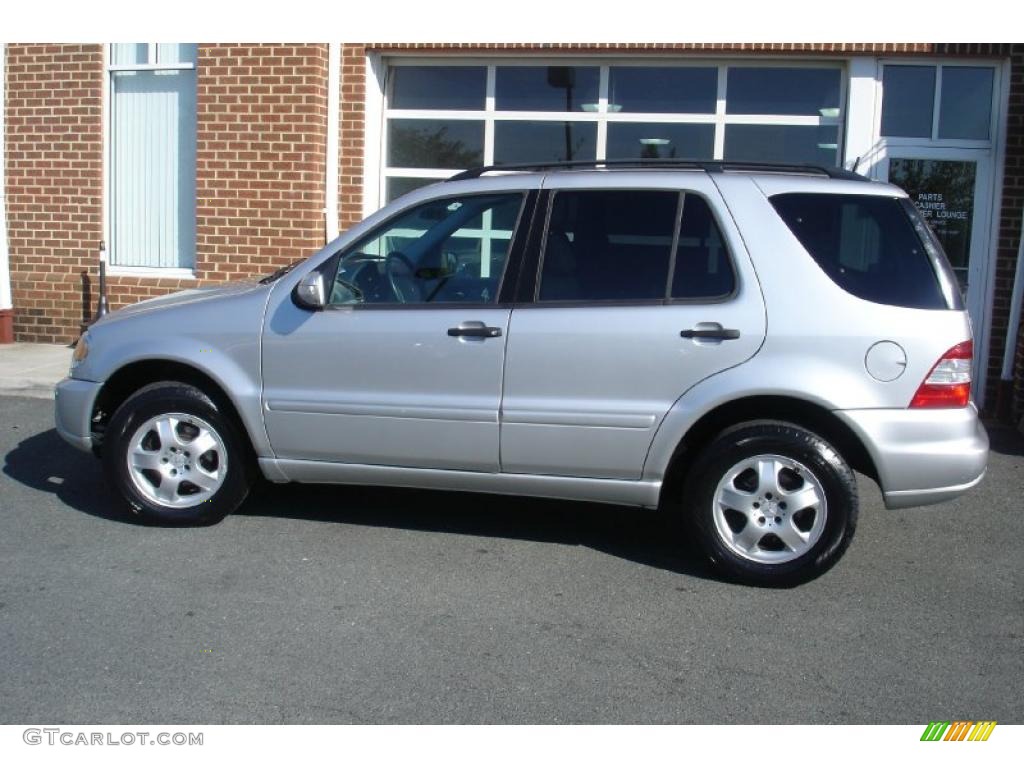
[(185, 165)]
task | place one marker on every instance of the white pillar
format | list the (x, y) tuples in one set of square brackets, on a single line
[(333, 117), (860, 115), (1016, 301), (373, 123)]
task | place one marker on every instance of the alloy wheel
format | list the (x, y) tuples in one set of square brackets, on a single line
[(769, 509), (177, 460)]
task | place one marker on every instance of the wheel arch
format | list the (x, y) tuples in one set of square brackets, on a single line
[(135, 375), (802, 413)]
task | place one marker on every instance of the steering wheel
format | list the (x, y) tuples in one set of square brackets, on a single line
[(354, 291), (401, 275)]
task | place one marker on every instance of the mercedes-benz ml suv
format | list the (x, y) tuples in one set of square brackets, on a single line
[(725, 342)]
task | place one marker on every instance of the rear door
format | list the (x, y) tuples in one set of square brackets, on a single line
[(628, 298)]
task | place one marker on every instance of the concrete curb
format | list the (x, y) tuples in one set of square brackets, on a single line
[(32, 370)]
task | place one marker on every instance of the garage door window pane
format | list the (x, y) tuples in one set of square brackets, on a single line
[(518, 141), (662, 89), (608, 245), (660, 140), (438, 87), (966, 103), (908, 98), (397, 186), (817, 145), (546, 89), (435, 143), (783, 91)]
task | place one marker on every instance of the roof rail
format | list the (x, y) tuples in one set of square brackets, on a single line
[(709, 166)]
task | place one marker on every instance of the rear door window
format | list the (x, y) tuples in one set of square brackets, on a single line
[(870, 247), (702, 266), (608, 245), (617, 245)]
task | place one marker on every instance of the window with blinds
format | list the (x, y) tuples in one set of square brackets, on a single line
[(152, 155)]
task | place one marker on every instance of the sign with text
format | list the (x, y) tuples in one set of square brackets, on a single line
[(943, 190)]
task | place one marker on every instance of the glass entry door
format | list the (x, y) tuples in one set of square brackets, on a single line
[(952, 189)]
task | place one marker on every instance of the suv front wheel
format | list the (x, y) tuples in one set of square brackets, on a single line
[(772, 503), (175, 457)]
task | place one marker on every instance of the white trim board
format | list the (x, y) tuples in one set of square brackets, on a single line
[(333, 139)]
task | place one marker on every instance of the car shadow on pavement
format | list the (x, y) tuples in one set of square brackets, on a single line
[(45, 462)]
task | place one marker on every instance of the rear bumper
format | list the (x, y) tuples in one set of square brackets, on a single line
[(923, 456), (72, 411)]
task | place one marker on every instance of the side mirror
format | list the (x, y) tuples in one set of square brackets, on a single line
[(311, 293)]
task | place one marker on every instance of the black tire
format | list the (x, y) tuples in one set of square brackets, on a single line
[(789, 441), (166, 397)]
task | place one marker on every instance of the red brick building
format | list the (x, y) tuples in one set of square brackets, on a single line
[(192, 164)]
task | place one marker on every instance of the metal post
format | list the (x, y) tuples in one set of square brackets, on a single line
[(102, 307)]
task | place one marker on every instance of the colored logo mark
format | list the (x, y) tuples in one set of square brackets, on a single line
[(958, 730)]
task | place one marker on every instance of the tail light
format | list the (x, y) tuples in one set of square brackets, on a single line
[(948, 384)]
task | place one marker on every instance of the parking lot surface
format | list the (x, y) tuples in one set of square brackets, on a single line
[(358, 605)]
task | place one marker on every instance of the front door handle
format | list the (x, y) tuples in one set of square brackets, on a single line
[(474, 329), (716, 334)]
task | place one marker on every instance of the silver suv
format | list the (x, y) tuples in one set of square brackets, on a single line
[(725, 342)]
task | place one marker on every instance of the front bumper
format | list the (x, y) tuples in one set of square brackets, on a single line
[(923, 456), (72, 411)]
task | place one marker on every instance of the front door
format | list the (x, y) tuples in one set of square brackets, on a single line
[(404, 367)]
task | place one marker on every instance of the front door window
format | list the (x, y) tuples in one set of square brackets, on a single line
[(450, 250)]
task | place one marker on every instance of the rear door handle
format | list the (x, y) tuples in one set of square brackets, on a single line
[(718, 334), (474, 329)]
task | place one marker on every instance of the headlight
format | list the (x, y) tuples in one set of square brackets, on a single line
[(81, 351)]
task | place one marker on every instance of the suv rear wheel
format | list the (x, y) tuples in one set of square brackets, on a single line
[(772, 503), (175, 457)]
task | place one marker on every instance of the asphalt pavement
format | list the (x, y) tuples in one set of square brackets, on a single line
[(359, 605)]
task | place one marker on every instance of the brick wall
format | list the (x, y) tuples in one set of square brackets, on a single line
[(54, 175), (1017, 408), (1010, 228), (1008, 243), (944, 49), (260, 177), (261, 157), (351, 135)]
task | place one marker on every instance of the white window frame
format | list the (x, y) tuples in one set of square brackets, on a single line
[(151, 65), (377, 128)]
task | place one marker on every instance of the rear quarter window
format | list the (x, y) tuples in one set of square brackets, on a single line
[(869, 246)]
